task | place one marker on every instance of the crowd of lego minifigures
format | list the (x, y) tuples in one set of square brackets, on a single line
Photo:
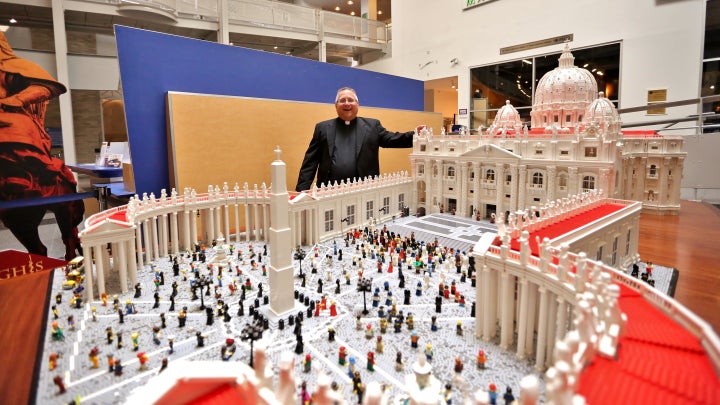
[(416, 289)]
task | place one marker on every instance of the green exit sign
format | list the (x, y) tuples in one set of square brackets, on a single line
[(474, 3)]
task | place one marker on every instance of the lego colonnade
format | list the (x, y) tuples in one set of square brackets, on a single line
[(149, 228), (531, 292)]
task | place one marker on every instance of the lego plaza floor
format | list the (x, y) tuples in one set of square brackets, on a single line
[(98, 385)]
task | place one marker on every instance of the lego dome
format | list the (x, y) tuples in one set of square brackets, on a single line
[(563, 94), (507, 119), (601, 111)]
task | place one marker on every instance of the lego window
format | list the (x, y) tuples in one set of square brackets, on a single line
[(329, 223), (401, 201), (599, 255), (369, 209), (386, 205), (537, 179), (562, 181), (490, 175), (350, 214), (590, 151), (421, 169), (564, 152), (653, 171), (588, 183), (451, 171), (423, 148)]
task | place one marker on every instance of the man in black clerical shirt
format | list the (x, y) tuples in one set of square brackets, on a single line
[(346, 147)]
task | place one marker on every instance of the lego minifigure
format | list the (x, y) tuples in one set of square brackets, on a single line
[(182, 316), (481, 359), (58, 380), (429, 353), (156, 335), (383, 324), (379, 346), (371, 361), (508, 396), (369, 333), (143, 359), (414, 339), (333, 308), (493, 394), (307, 363), (94, 357), (358, 387), (227, 351), (134, 336), (398, 361), (331, 334), (458, 365), (52, 363), (305, 397), (342, 354), (57, 332), (200, 339), (459, 328)]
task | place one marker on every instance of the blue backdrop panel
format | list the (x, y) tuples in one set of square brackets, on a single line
[(151, 64)]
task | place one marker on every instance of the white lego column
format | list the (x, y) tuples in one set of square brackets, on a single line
[(226, 219), (97, 253), (120, 263), (130, 260), (174, 233), (163, 235), (186, 230), (139, 245), (542, 330), (155, 238), (281, 270), (193, 229), (522, 329), (507, 312), (147, 242), (248, 225), (89, 288)]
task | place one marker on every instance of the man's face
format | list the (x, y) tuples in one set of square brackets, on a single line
[(346, 105)]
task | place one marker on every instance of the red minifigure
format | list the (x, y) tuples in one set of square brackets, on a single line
[(481, 359), (458, 365), (446, 292), (58, 380), (333, 309), (371, 361), (307, 363), (143, 358), (341, 355), (94, 357), (248, 284), (104, 298), (53, 360)]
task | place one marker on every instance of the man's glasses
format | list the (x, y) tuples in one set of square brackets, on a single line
[(346, 101)]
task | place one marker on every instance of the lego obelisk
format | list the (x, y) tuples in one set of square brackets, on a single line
[(281, 271)]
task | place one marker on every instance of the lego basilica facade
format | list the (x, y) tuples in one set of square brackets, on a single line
[(574, 145)]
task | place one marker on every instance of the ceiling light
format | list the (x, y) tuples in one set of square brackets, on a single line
[(594, 69), (350, 2), (599, 73), (586, 65), (712, 87), (352, 13), (13, 21), (379, 12), (275, 47), (337, 8), (527, 62)]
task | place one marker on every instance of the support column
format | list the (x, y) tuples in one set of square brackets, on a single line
[(226, 219), (139, 245), (572, 180), (522, 321), (514, 190), (154, 237), (89, 282), (163, 235), (186, 230), (256, 222), (130, 260), (210, 220), (551, 329), (148, 242), (542, 330), (120, 262), (476, 190), (237, 223), (248, 225), (174, 234), (193, 229), (507, 310), (531, 317), (561, 325), (63, 76), (218, 223), (99, 255)]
